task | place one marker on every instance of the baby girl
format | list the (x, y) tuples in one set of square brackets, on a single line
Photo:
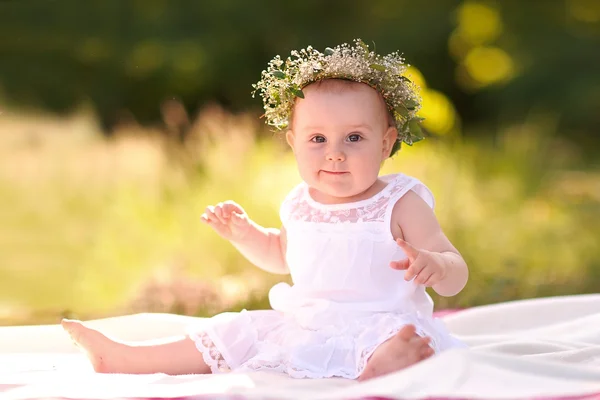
[(361, 248)]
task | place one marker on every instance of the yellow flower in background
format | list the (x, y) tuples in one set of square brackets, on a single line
[(438, 111), (480, 63), (416, 77), (479, 23), (489, 65)]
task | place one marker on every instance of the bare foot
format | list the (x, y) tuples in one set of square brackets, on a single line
[(172, 356), (105, 355), (401, 351)]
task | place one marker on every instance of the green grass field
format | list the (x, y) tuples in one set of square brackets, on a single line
[(94, 227)]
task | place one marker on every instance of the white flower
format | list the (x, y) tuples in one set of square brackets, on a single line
[(283, 81)]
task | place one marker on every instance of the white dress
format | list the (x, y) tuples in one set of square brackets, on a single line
[(345, 300)]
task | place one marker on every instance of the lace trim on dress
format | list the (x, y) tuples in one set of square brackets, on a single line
[(284, 367), (374, 210), (211, 355)]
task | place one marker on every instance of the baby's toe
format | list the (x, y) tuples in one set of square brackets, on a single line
[(425, 349), (426, 352), (420, 348), (69, 323), (73, 328), (407, 333)]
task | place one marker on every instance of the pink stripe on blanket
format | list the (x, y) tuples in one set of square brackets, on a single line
[(592, 396)]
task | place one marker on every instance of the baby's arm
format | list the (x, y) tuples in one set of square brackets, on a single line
[(263, 247), (414, 221)]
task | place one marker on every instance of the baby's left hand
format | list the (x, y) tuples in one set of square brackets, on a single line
[(427, 267)]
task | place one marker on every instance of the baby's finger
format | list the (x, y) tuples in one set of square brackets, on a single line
[(230, 207), (209, 213), (415, 269), (219, 213), (400, 265), (411, 252), (423, 277), (432, 280)]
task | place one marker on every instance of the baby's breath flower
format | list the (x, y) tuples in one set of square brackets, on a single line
[(283, 81)]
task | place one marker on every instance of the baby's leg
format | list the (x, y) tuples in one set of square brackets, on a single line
[(402, 350), (175, 356)]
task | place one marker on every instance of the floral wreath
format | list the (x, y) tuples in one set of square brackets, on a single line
[(282, 82)]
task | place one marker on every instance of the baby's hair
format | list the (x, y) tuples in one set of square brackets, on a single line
[(336, 85)]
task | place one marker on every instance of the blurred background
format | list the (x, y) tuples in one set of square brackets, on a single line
[(121, 120)]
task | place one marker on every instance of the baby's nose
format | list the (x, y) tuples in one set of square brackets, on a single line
[(336, 156)]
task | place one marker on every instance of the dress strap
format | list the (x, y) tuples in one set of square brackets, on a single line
[(401, 185), (290, 202)]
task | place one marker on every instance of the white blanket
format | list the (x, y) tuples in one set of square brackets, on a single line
[(546, 348)]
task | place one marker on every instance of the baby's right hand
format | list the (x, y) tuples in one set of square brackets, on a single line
[(228, 219)]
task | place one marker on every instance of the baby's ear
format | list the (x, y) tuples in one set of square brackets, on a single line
[(389, 138), (290, 137)]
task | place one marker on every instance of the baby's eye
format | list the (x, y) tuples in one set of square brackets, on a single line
[(354, 137), (318, 139)]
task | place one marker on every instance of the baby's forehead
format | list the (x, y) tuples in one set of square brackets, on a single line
[(329, 89), (319, 95)]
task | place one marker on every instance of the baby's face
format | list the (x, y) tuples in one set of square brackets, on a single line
[(340, 136)]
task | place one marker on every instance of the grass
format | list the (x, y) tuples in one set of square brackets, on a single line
[(94, 226)]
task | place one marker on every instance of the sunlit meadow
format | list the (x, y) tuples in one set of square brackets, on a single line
[(94, 227)]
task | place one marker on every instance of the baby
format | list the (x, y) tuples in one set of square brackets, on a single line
[(361, 248)]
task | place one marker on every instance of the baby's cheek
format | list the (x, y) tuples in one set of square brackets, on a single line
[(307, 174), (307, 164)]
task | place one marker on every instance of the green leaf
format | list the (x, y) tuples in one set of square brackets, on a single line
[(402, 111), (276, 97), (297, 92), (279, 74), (378, 67), (404, 128), (328, 51), (415, 130), (411, 104)]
